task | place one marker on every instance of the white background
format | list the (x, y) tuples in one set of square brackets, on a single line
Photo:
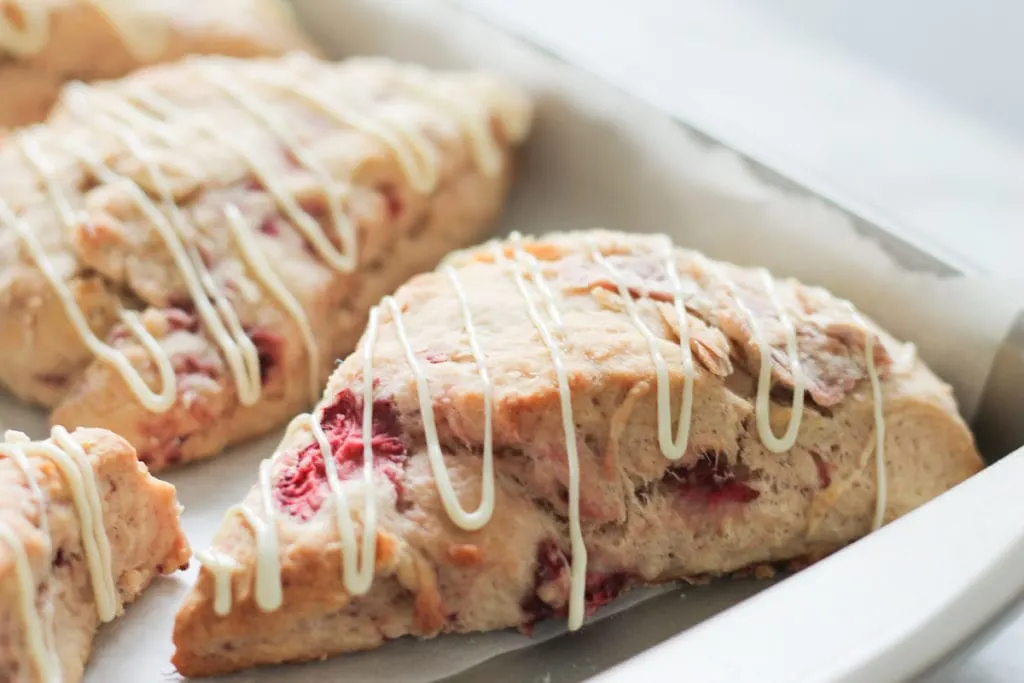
[(962, 52)]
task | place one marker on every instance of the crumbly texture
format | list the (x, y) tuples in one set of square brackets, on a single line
[(114, 256), (83, 43), (141, 518), (726, 505)]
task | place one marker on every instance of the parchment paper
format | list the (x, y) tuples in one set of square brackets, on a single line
[(597, 158)]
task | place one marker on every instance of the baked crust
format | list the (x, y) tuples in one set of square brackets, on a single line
[(727, 503), (413, 163), (140, 519), (45, 43)]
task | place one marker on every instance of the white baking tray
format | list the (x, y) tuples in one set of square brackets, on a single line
[(880, 610)]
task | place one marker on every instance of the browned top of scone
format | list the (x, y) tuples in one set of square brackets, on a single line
[(44, 43)]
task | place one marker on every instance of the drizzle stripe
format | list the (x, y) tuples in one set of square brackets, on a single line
[(466, 520), (672, 448), (579, 548), (259, 266), (764, 378)]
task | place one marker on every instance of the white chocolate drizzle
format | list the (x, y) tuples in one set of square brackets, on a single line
[(344, 260), (72, 462), (357, 575), (879, 408), (470, 521), (473, 118), (145, 37), (672, 448), (358, 561), (764, 379), (144, 123), (219, 317), (222, 566), (40, 649), (413, 151), (578, 567), (265, 274)]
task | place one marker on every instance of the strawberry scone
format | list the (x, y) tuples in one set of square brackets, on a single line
[(542, 423), (84, 529), (185, 252), (45, 43)]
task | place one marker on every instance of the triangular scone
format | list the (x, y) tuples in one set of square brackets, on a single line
[(45, 43), (621, 456), (84, 528), (185, 252)]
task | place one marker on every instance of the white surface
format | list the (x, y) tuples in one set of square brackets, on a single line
[(994, 658), (962, 53)]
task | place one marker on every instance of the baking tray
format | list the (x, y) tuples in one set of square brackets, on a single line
[(890, 604)]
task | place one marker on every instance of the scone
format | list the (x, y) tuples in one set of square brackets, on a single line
[(541, 424), (184, 253), (84, 529), (44, 43)]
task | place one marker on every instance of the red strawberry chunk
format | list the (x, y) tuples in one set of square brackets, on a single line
[(713, 481), (300, 490)]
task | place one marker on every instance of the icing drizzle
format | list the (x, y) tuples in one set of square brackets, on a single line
[(764, 379), (145, 37), (71, 461), (579, 549), (144, 123), (672, 448), (479, 517), (879, 408)]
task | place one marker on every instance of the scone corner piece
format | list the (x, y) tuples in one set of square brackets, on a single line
[(85, 529)]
